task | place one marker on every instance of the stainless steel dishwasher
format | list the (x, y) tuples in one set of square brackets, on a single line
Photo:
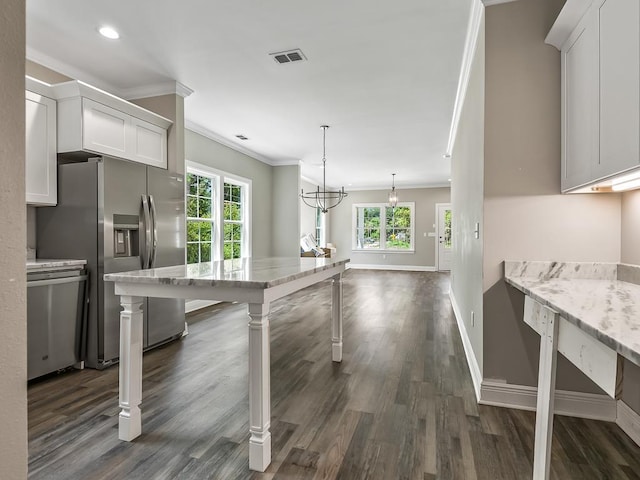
[(56, 319)]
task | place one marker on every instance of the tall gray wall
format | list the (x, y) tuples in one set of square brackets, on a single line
[(525, 216), (208, 152), (425, 200), (285, 206), (13, 315), (467, 193)]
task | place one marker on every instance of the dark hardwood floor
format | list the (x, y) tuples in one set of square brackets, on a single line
[(400, 406)]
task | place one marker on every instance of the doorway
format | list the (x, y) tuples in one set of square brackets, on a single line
[(443, 235)]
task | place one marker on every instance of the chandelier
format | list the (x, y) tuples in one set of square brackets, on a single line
[(323, 199), (393, 195)]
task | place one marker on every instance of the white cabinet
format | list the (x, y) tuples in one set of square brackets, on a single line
[(579, 106), (40, 164), (600, 54), (619, 89), (90, 120)]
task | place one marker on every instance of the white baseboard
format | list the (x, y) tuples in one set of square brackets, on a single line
[(573, 404), (406, 268), (193, 305), (629, 421), (474, 368)]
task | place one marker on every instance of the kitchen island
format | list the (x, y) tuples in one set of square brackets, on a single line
[(589, 312), (256, 282)]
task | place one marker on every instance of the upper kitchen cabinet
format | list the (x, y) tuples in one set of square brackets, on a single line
[(40, 130), (599, 43), (91, 120)]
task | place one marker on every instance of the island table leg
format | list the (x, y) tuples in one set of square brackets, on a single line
[(259, 387), (336, 318), (130, 368), (546, 393)]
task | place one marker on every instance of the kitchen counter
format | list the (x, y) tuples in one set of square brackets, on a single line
[(590, 313), (257, 282), (589, 295), (40, 264)]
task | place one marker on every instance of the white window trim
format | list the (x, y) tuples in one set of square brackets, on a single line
[(354, 228), (322, 240), (221, 177)]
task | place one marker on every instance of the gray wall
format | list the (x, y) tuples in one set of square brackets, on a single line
[(467, 192), (208, 152), (425, 200), (285, 236), (525, 216), (13, 322)]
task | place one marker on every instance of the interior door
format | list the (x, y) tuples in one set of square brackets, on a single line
[(443, 247)]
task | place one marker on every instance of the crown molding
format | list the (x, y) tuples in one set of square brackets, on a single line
[(399, 188), (471, 43), (567, 20), (164, 88), (488, 3), (205, 132)]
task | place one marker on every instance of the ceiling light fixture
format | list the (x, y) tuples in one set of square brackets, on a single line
[(109, 33), (323, 199), (393, 195)]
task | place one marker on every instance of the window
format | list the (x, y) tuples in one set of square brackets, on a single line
[(233, 221), (200, 205), (378, 227), (218, 215)]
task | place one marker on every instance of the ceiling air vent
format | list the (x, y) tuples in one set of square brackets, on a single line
[(289, 56), (242, 137)]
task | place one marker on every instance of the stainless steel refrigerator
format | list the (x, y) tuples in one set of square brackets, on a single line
[(119, 216)]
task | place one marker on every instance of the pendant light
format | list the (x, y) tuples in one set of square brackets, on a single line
[(323, 199), (393, 195)]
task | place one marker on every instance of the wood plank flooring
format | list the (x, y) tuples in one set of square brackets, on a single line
[(400, 406)]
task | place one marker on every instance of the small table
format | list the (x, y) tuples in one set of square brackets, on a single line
[(584, 312), (257, 282)]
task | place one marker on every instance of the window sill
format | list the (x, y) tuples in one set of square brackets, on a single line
[(364, 250)]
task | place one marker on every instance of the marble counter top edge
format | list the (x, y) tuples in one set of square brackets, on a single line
[(612, 343), (130, 277), (41, 264)]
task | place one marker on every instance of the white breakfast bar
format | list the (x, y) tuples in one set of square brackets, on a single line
[(256, 282), (589, 312)]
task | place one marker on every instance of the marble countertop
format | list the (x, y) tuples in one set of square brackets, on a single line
[(41, 264), (589, 295), (244, 273)]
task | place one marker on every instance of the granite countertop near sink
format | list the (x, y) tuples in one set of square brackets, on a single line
[(40, 264), (603, 299)]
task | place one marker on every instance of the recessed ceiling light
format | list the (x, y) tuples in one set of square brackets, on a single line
[(448, 179), (109, 33)]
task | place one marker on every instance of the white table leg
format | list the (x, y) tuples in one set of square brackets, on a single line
[(130, 421), (259, 387), (336, 318), (546, 393)]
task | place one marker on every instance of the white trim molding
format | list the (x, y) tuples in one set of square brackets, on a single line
[(629, 421), (472, 362), (404, 268), (488, 3), (165, 88), (572, 404)]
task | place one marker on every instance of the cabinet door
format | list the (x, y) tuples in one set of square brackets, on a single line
[(579, 112), (104, 129), (619, 72), (148, 143), (40, 143)]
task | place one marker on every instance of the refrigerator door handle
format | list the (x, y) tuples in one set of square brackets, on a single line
[(154, 227), (146, 213)]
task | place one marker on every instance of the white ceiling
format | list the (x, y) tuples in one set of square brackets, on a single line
[(382, 74)]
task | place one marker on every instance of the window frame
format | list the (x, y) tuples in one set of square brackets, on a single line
[(383, 228), (219, 178), (321, 228)]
